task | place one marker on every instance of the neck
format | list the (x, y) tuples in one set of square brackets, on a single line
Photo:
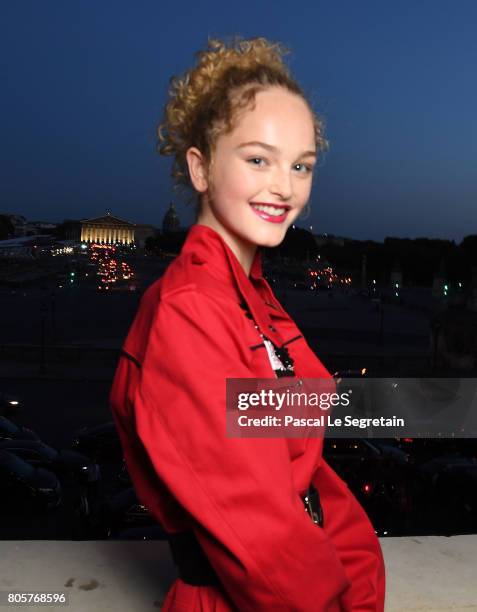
[(244, 251)]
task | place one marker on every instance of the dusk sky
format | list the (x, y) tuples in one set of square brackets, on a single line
[(84, 83)]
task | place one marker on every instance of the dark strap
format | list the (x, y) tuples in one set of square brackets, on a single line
[(312, 503), (192, 563)]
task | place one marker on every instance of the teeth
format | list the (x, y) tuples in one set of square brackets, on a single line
[(270, 210)]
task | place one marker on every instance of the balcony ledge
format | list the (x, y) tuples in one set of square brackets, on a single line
[(423, 573)]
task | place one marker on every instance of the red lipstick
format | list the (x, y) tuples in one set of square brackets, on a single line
[(271, 218)]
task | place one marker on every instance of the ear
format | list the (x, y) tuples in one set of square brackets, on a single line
[(197, 165)]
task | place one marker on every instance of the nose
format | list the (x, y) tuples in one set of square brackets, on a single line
[(280, 184)]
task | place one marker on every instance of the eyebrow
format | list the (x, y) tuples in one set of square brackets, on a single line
[(273, 149)]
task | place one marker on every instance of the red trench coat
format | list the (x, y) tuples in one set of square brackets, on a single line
[(241, 496)]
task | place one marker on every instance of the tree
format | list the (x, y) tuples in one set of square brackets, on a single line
[(6, 228), (468, 247)]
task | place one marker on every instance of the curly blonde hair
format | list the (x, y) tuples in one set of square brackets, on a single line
[(201, 105)]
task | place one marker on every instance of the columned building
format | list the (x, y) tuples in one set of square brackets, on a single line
[(107, 230)]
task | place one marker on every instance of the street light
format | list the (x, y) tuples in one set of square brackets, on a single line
[(53, 318), (43, 311)]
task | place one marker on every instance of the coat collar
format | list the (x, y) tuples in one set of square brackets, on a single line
[(206, 246)]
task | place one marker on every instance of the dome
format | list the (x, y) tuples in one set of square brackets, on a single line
[(171, 221)]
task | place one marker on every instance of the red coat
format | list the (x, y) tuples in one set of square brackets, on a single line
[(240, 496)]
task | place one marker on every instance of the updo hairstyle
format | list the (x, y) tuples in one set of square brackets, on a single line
[(205, 100)]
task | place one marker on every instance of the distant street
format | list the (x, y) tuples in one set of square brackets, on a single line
[(332, 321)]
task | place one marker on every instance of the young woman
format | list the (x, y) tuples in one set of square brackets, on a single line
[(244, 137)]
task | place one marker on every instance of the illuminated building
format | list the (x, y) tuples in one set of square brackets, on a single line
[(107, 230)]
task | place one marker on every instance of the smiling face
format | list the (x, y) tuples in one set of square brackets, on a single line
[(260, 175)]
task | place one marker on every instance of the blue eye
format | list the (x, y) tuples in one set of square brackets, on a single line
[(256, 159), (305, 168)]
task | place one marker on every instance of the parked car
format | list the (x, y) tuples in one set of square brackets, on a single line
[(10, 431), (120, 512), (426, 449), (347, 455), (390, 448), (457, 484), (100, 442), (449, 493), (148, 532), (467, 447), (380, 483), (123, 476), (62, 462), (24, 488)]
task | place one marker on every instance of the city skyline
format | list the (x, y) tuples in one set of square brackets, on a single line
[(85, 87), (184, 228)]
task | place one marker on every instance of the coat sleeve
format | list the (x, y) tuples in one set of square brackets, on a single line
[(239, 493), (355, 542)]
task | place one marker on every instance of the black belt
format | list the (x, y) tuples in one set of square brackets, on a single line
[(193, 565)]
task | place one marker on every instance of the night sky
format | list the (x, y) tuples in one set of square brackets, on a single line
[(84, 83)]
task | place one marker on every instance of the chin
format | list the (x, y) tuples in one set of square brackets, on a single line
[(270, 240)]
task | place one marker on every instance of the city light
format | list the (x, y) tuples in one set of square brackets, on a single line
[(325, 277), (110, 269), (60, 251)]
